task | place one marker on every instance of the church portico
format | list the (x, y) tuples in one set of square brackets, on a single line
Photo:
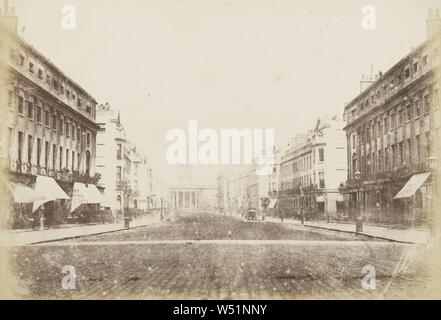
[(192, 197)]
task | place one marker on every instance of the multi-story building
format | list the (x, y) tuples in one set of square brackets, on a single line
[(47, 121), (138, 174), (186, 195), (112, 160), (239, 192), (257, 189), (160, 196), (232, 189), (393, 127), (312, 169)]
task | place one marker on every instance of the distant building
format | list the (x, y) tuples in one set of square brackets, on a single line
[(241, 187), (257, 189), (138, 176), (312, 169), (393, 126), (186, 195)]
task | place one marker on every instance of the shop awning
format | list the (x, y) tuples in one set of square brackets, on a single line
[(22, 193), (46, 189), (95, 196), (320, 198), (80, 195), (414, 183), (272, 203)]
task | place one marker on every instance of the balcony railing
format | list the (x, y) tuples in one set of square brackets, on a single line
[(397, 173), (65, 175)]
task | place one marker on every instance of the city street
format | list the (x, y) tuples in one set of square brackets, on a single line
[(216, 257)]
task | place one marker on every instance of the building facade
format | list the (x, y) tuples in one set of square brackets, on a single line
[(232, 189), (193, 197), (113, 160), (393, 127), (257, 189), (138, 174), (312, 170), (47, 120)]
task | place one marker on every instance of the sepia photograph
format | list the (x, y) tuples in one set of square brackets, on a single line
[(224, 150)]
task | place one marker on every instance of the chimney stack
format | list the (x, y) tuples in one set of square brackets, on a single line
[(433, 22), (8, 18)]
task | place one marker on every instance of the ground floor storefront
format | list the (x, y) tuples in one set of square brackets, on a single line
[(36, 201), (406, 201), (314, 203)]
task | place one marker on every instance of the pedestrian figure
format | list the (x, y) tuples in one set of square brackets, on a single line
[(41, 217), (281, 216)]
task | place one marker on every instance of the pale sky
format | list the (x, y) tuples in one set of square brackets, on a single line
[(227, 64)]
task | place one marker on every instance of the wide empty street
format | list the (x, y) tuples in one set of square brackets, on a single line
[(222, 257)]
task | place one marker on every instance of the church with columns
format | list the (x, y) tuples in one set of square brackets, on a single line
[(185, 195), (193, 197)]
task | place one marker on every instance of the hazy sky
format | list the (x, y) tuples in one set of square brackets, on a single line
[(231, 64)]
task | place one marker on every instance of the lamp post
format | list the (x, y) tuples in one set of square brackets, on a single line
[(432, 164), (358, 219)]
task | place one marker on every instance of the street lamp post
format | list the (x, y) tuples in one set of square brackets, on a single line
[(358, 219), (432, 163)]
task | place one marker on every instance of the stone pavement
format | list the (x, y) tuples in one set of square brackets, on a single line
[(26, 237), (411, 235)]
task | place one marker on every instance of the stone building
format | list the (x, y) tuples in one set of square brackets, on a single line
[(257, 189), (186, 195), (47, 125), (138, 180), (393, 127), (232, 189), (112, 160), (312, 169)]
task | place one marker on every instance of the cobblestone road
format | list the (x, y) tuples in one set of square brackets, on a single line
[(297, 264)]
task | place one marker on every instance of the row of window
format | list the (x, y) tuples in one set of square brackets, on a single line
[(415, 65), (398, 115), (303, 164), (408, 152), (64, 158), (304, 181), (58, 123), (46, 78), (396, 118)]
